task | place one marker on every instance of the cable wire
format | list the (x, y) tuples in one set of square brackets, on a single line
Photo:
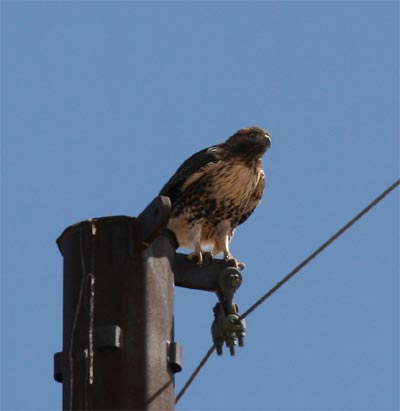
[(289, 276), (320, 249), (194, 373)]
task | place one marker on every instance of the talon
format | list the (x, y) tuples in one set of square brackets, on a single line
[(240, 265), (207, 257), (196, 257), (231, 260)]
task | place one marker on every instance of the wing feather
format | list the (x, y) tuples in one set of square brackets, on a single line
[(194, 164)]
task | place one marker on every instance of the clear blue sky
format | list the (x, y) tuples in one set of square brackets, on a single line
[(101, 101)]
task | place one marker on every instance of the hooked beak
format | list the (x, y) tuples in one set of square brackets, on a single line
[(268, 139)]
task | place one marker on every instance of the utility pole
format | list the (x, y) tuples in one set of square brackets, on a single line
[(119, 351)]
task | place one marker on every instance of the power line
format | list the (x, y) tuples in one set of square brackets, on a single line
[(320, 249), (194, 373), (289, 276)]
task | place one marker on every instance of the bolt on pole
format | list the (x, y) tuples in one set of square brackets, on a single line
[(118, 344)]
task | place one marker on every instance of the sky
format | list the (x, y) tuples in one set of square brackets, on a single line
[(101, 102)]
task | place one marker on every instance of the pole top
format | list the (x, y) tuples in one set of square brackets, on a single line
[(146, 226)]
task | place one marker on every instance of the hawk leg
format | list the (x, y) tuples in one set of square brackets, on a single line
[(222, 240), (198, 256)]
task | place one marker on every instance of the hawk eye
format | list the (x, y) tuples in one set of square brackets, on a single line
[(252, 135)]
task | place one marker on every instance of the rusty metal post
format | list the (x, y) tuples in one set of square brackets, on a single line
[(118, 348)]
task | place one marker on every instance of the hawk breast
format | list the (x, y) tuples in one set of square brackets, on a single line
[(220, 191)]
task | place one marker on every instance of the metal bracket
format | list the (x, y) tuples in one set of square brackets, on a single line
[(228, 329), (227, 326), (174, 356), (229, 281), (107, 336), (224, 279), (58, 366)]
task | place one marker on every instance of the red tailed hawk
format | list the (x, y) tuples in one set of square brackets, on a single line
[(215, 190)]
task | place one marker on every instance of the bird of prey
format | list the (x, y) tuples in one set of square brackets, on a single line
[(215, 190)]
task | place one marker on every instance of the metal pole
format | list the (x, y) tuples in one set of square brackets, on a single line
[(118, 347)]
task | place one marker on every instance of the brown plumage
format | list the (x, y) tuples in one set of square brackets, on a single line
[(215, 190)]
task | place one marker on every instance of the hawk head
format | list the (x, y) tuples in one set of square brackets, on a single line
[(249, 143)]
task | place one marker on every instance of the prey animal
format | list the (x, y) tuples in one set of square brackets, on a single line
[(215, 190)]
